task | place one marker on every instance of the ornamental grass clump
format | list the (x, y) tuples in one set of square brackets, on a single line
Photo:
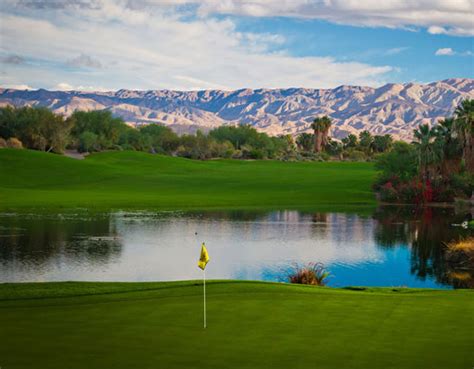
[(460, 262), (312, 273)]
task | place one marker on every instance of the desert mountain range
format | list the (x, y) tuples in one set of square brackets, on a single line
[(392, 108)]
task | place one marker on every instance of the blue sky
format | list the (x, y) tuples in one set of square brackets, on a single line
[(412, 53), (189, 44)]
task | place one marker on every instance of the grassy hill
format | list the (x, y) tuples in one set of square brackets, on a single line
[(140, 180), (250, 325)]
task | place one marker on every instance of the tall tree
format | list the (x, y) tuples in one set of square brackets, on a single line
[(305, 141), (382, 143), (365, 141), (448, 146), (464, 129), (321, 126), (350, 141), (429, 155)]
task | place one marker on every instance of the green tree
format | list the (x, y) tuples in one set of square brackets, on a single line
[(162, 139), (321, 126), (351, 141), (464, 129), (429, 154), (305, 141), (88, 142), (448, 146), (382, 143), (365, 142), (37, 127), (100, 122), (399, 162)]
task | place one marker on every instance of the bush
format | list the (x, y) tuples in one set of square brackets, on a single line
[(14, 143), (463, 184), (3, 143), (400, 162), (313, 273), (411, 192), (355, 155), (442, 191), (388, 192), (88, 142)]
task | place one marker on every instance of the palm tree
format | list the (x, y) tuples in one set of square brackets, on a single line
[(448, 145), (428, 153), (464, 129), (321, 127)]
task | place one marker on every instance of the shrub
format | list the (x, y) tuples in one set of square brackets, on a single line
[(355, 155), (88, 142), (463, 184), (460, 262), (400, 161), (14, 143), (388, 192), (411, 192), (3, 143), (312, 273)]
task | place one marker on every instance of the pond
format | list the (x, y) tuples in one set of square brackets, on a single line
[(394, 246)]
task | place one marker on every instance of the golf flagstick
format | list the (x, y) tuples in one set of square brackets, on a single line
[(204, 284), (203, 260)]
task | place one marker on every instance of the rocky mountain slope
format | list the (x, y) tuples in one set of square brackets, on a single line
[(393, 108)]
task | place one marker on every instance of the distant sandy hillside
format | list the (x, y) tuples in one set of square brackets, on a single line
[(393, 108)]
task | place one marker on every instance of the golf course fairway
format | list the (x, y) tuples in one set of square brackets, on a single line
[(250, 325), (128, 179)]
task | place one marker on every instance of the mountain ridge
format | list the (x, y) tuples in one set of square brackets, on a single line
[(394, 108)]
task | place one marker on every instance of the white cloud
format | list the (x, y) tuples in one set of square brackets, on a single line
[(439, 16), (152, 48), (446, 51), (396, 50), (451, 31), (18, 87), (451, 17), (64, 86)]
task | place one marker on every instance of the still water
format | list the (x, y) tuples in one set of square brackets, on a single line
[(392, 247)]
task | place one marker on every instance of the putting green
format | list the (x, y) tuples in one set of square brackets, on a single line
[(250, 325)]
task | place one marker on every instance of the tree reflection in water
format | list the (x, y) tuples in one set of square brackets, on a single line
[(40, 239), (31, 245), (427, 231)]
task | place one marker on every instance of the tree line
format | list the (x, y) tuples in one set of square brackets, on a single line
[(38, 128), (438, 166)]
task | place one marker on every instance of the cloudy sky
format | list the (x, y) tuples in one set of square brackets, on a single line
[(231, 44)]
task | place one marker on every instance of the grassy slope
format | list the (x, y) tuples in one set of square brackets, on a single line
[(137, 180), (250, 325)]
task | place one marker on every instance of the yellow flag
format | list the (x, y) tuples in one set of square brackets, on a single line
[(204, 258)]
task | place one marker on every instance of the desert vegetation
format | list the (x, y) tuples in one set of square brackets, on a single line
[(438, 166), (314, 274), (460, 262), (40, 129)]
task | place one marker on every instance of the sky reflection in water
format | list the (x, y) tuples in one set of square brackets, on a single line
[(390, 248)]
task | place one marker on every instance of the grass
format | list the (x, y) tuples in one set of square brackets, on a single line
[(250, 325), (32, 179)]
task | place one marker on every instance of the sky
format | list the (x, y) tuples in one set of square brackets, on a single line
[(104, 45)]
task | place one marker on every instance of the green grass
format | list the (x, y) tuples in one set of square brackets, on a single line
[(250, 325), (33, 179)]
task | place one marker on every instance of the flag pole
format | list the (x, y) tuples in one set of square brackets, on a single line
[(204, 284)]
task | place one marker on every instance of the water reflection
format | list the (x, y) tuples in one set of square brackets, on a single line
[(393, 247)]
